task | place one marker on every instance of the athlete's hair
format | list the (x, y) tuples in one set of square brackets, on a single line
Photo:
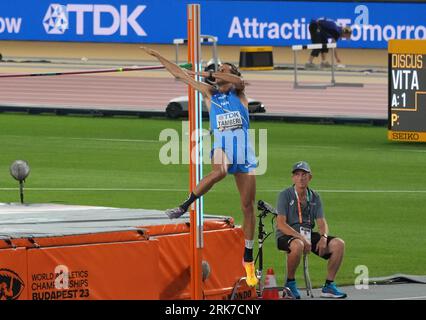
[(234, 68), (235, 71)]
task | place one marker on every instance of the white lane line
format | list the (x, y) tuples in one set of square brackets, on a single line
[(92, 139), (178, 190), (353, 191), (94, 189), (396, 150), (408, 298), (316, 147), (116, 140), (374, 191)]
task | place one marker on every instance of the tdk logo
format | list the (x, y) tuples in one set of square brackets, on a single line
[(106, 19)]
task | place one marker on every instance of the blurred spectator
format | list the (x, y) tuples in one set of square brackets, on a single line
[(321, 31)]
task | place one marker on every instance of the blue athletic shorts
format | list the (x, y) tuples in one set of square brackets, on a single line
[(237, 147)]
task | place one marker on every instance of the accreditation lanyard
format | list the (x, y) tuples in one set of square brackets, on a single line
[(299, 206)]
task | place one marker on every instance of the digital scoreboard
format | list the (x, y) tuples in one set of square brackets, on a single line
[(407, 90)]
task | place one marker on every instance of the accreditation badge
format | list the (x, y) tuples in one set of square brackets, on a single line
[(306, 233)]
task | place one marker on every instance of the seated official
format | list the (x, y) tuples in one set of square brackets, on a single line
[(298, 208)]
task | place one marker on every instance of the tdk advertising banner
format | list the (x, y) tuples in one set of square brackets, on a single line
[(272, 23)]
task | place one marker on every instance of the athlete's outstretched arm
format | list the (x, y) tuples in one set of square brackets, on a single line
[(180, 74), (237, 81)]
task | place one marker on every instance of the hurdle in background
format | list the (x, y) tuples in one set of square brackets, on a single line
[(333, 82), (204, 39), (195, 152)]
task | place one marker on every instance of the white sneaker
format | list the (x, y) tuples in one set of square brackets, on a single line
[(310, 65), (325, 64)]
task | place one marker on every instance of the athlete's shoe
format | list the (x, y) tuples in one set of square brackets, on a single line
[(293, 288), (251, 278), (325, 64), (331, 291), (175, 212), (310, 66)]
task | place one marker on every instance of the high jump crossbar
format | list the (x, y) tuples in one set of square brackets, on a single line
[(333, 82), (78, 72)]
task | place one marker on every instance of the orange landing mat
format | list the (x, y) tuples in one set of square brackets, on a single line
[(59, 252)]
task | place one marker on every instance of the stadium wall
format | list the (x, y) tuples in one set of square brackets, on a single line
[(272, 23)]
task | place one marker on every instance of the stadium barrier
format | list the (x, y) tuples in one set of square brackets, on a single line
[(256, 58), (333, 82), (204, 39)]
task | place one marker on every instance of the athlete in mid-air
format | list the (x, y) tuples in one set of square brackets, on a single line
[(232, 152)]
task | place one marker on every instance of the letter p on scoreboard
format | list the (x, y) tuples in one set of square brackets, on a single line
[(407, 90)]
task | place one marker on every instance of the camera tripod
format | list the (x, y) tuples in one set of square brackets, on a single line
[(264, 210)]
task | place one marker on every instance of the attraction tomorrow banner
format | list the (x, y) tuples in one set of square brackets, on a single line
[(271, 23)]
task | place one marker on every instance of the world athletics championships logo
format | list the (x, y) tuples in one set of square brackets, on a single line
[(56, 19), (11, 285)]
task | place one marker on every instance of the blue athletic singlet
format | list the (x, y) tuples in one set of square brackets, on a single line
[(229, 121)]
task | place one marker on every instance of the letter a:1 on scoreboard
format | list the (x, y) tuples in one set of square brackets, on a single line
[(407, 90)]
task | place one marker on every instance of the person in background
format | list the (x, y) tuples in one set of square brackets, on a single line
[(321, 31)]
